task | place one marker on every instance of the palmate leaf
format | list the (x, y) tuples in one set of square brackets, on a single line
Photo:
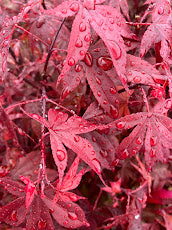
[(152, 130), (65, 132), (6, 32), (108, 23), (160, 30), (142, 72)]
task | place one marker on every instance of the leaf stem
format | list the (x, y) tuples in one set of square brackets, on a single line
[(138, 24)]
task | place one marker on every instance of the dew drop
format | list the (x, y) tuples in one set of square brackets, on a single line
[(88, 59), (82, 52), (3, 32), (60, 155), (116, 50), (87, 37), (74, 7), (137, 79), (78, 43), (114, 111), (98, 81), (152, 153), (78, 68), (14, 216), (105, 102), (82, 27), (112, 90), (168, 104), (93, 153), (115, 162), (104, 63), (71, 61), (160, 10), (128, 43), (3, 54), (132, 63), (134, 151), (99, 73), (129, 73), (125, 153), (139, 141), (65, 222), (76, 138), (120, 125), (93, 139), (42, 224), (72, 216), (35, 116), (153, 141), (97, 166), (103, 153), (98, 93)]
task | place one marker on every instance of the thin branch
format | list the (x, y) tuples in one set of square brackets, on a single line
[(51, 47), (32, 35), (44, 100)]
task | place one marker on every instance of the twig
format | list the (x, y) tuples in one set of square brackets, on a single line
[(44, 99)]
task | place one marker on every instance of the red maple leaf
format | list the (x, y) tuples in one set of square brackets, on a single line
[(159, 31), (8, 27), (108, 23), (64, 131), (152, 130)]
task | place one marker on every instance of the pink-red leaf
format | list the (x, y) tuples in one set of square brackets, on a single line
[(67, 214)]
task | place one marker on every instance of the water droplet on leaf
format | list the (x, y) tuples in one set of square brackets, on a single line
[(120, 125), (61, 155), (137, 79), (152, 153), (78, 68), (82, 27), (112, 90), (103, 153), (116, 50), (87, 37), (74, 7), (71, 61), (114, 111), (139, 141), (14, 216), (98, 93), (42, 224), (153, 141), (125, 153), (98, 81), (104, 63), (88, 59), (78, 43)]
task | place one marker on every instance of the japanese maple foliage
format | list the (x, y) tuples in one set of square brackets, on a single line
[(85, 114)]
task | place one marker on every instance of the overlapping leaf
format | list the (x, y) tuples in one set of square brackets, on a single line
[(159, 31), (108, 23), (142, 72), (153, 131), (64, 132)]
